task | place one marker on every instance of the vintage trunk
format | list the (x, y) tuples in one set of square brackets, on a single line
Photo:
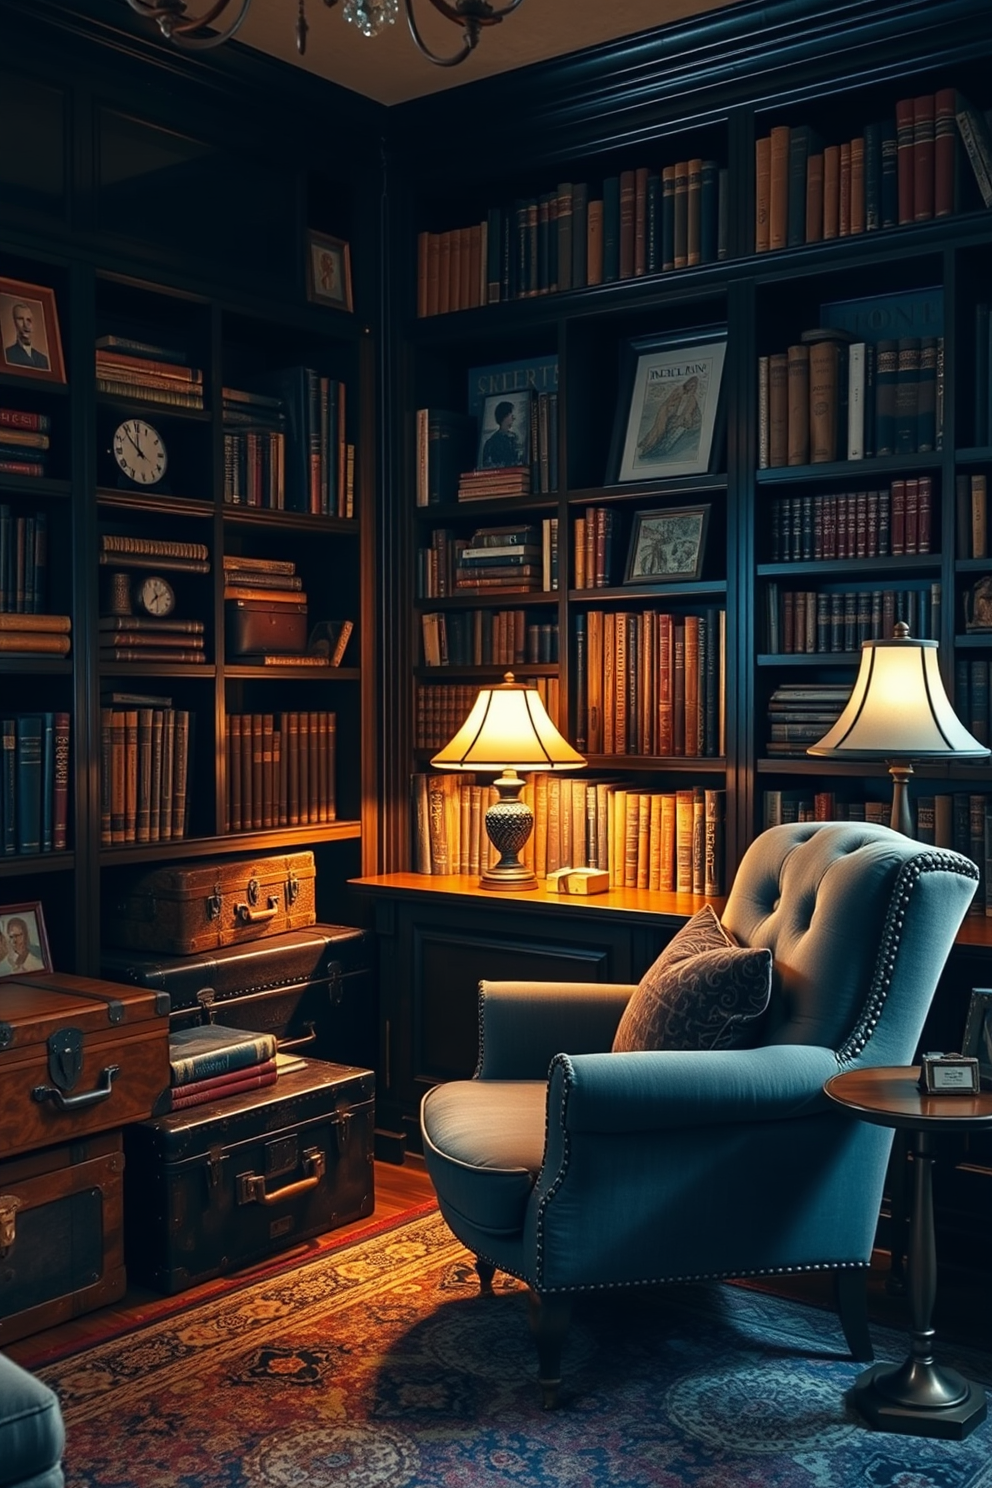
[(188, 908), (217, 1186), (312, 988), (77, 1055), (61, 1234), (259, 625)]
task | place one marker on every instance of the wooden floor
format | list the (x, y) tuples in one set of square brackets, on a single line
[(963, 1311)]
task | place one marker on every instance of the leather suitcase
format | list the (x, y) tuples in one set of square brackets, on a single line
[(312, 988), (61, 1234), (77, 1055), (188, 908), (218, 1186), (255, 625)]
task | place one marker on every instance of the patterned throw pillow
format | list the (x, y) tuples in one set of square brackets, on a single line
[(703, 992)]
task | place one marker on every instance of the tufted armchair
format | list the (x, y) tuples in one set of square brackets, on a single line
[(576, 1168)]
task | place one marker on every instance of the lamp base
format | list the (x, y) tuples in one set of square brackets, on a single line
[(509, 823), (901, 820)]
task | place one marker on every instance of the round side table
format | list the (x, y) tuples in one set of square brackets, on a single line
[(918, 1397)]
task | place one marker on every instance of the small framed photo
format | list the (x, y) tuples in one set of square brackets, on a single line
[(29, 331), (328, 271), (504, 430), (667, 547), (23, 942), (977, 1041), (669, 419)]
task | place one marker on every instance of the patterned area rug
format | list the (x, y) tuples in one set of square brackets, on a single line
[(380, 1366)]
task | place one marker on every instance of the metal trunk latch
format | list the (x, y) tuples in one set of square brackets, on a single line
[(214, 904), (292, 888)]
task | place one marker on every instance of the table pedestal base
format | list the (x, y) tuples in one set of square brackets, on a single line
[(907, 1398)]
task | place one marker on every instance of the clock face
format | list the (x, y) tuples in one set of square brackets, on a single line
[(140, 452), (156, 596)]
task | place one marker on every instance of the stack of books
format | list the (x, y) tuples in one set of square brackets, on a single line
[(274, 580), (210, 1061), (509, 559), (499, 480), (35, 635), (24, 442), (144, 769), (141, 638), (120, 551), (800, 713), (254, 450), (126, 368)]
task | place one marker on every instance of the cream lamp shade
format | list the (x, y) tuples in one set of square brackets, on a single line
[(507, 730), (898, 711)]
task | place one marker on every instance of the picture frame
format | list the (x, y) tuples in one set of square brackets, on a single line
[(328, 271), (504, 430), (670, 410), (667, 546), (30, 342), (977, 1040), (23, 940)]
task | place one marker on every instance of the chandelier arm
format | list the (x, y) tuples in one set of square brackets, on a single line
[(183, 32), (471, 38), (480, 11)]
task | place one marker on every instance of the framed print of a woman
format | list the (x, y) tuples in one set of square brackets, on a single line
[(668, 417)]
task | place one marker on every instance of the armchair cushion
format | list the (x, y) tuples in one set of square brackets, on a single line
[(703, 992)]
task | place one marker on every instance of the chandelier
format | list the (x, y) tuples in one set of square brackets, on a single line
[(197, 33)]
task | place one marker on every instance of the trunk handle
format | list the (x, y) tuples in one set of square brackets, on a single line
[(100, 1092), (252, 1190), (248, 916)]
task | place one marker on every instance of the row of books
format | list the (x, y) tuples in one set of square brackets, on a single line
[(838, 620), (519, 557), (488, 638), (642, 839), (973, 695), (209, 1061), (122, 550), (441, 708), (894, 519), (593, 541), (23, 561), (803, 804), (318, 471), (273, 580), (650, 683), (24, 442), (126, 369), (799, 714), (971, 514), (146, 638), (831, 397), (254, 449), (281, 769), (34, 802), (646, 221), (901, 169), (144, 772)]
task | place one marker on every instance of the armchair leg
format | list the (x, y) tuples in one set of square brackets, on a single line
[(851, 1298), (549, 1319), (485, 1270)]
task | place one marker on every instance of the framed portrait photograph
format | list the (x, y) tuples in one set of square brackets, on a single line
[(23, 941), (328, 271), (667, 547), (669, 419), (29, 331), (504, 430), (977, 1041)]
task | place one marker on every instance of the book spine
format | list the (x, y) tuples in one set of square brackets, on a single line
[(185, 1069)]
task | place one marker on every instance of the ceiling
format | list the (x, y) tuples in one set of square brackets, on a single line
[(390, 69)]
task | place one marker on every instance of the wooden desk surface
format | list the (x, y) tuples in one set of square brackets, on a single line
[(636, 903)]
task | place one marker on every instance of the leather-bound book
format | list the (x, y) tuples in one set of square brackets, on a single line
[(798, 447), (778, 191)]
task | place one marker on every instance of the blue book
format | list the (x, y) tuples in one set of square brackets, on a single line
[(890, 175), (611, 229), (709, 212), (873, 176), (47, 779), (28, 790)]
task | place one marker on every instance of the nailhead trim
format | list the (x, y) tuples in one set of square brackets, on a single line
[(478, 1067), (909, 875)]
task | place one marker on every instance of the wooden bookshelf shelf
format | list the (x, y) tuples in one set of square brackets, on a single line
[(272, 840)]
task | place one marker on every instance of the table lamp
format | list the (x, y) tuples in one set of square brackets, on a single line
[(508, 730), (898, 712)]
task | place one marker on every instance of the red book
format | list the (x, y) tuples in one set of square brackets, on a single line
[(945, 146), (216, 1088), (923, 157)]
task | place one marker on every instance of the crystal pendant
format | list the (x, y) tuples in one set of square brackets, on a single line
[(371, 16)]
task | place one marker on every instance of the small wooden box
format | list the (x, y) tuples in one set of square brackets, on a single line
[(578, 881), (61, 1234)]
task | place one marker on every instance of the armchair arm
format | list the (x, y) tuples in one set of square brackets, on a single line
[(523, 1025), (653, 1091)]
